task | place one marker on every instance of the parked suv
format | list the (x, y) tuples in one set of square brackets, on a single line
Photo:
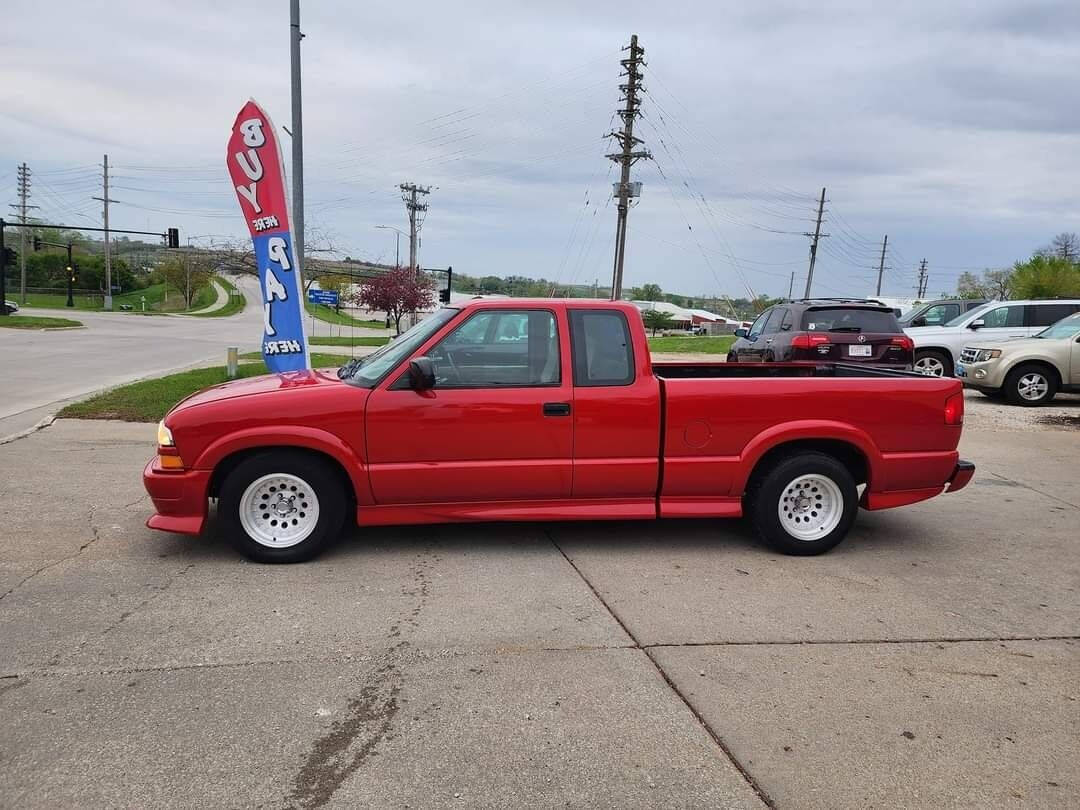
[(1029, 371), (938, 313), (834, 330), (938, 348)]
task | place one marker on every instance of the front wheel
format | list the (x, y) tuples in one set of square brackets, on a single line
[(1030, 385), (804, 504), (281, 506)]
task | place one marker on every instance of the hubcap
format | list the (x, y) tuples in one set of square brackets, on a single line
[(1032, 386), (930, 366), (811, 507), (279, 510)]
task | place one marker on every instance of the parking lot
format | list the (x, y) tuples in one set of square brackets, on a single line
[(933, 659)]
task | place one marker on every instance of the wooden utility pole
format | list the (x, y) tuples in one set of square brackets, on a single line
[(624, 190), (924, 278), (408, 195), (23, 188), (881, 264), (816, 235)]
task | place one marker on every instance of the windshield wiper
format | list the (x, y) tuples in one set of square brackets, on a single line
[(350, 368)]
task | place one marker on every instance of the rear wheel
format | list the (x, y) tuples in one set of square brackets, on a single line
[(281, 506), (1030, 385), (804, 504), (932, 363)]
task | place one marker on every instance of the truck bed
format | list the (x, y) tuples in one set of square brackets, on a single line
[(677, 370)]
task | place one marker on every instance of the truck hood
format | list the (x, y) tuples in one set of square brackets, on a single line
[(923, 332), (1014, 345), (263, 385)]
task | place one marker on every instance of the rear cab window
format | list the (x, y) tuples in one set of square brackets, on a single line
[(850, 319), (602, 351)]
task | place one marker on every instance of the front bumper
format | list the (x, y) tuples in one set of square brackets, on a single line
[(179, 498), (988, 376)]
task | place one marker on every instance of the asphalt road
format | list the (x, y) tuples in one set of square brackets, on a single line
[(932, 660), (41, 369)]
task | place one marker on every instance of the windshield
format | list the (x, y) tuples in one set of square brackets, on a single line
[(366, 372), (1065, 328), (908, 317), (972, 313)]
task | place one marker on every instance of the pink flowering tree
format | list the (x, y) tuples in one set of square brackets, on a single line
[(396, 292)]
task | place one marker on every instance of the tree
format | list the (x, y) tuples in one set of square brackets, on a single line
[(1046, 277), (395, 292), (656, 319), (187, 272), (647, 292), (335, 282), (970, 285), (998, 283), (1065, 246)]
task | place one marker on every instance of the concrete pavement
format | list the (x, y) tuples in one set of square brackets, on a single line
[(930, 660)]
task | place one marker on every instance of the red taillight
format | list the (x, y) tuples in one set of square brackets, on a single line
[(904, 342), (954, 409), (806, 341)]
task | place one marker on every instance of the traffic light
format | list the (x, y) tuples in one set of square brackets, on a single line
[(444, 295), (172, 238), (37, 243), (10, 256)]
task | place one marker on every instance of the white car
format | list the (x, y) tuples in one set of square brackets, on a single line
[(11, 307), (938, 348)]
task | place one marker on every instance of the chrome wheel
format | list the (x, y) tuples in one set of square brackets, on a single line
[(279, 510), (1032, 386), (930, 365), (810, 507)]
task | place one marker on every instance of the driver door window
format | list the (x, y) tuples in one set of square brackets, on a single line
[(499, 348)]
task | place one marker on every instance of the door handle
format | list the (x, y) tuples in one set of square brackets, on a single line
[(556, 409)]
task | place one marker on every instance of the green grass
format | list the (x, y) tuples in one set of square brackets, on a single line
[(36, 322), (330, 315), (235, 304), (348, 341), (692, 345), (155, 300), (150, 400)]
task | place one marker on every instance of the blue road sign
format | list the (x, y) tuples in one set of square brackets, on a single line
[(327, 297)]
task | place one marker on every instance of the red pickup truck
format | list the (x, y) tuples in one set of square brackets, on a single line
[(551, 410)]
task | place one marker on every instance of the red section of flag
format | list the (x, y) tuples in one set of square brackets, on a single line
[(254, 161)]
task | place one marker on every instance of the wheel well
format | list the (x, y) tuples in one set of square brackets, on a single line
[(937, 350), (231, 461), (1040, 364), (847, 454)]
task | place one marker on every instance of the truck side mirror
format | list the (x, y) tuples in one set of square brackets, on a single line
[(741, 332), (920, 321), (421, 374), (978, 323)]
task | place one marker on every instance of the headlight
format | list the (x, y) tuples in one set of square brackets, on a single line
[(987, 354), (164, 435)]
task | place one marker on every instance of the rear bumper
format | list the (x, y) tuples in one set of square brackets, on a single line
[(179, 498), (961, 476)]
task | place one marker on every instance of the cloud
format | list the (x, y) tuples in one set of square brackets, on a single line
[(949, 126)]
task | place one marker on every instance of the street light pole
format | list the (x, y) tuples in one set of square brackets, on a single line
[(70, 277), (297, 136), (397, 244)]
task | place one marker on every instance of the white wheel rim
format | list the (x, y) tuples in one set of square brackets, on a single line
[(810, 507), (1032, 386), (279, 510), (930, 366)]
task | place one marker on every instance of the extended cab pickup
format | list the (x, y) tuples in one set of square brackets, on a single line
[(550, 410)]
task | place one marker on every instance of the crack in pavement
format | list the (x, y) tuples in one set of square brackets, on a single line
[(96, 535), (1030, 488), (840, 642), (713, 735)]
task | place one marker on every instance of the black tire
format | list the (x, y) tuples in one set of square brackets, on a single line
[(325, 485), (1018, 389), (765, 498), (926, 359), (992, 394)]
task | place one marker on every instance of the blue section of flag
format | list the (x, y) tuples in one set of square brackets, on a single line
[(284, 345)]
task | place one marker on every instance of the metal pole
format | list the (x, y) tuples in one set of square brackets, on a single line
[(297, 137), (108, 245), (791, 285), (881, 264), (3, 271), (70, 277), (814, 244), (397, 249)]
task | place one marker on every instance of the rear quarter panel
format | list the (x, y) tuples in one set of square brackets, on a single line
[(715, 430)]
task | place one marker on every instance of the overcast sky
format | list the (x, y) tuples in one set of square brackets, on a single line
[(951, 126)]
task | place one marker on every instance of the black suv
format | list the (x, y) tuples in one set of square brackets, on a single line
[(830, 329)]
